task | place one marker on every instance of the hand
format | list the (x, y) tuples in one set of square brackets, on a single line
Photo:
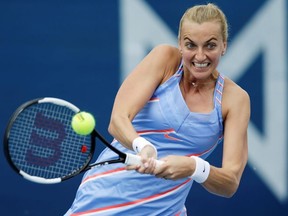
[(175, 167), (148, 156)]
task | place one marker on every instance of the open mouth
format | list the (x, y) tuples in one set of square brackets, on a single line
[(201, 65)]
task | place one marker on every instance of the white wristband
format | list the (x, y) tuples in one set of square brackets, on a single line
[(202, 170), (139, 143)]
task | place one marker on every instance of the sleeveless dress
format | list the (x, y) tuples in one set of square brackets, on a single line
[(167, 122)]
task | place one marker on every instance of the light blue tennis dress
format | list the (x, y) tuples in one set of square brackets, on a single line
[(167, 122)]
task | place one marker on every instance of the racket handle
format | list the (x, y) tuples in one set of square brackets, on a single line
[(132, 159)]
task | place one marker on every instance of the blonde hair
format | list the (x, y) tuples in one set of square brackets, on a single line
[(205, 13)]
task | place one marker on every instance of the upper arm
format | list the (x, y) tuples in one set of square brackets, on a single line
[(140, 84), (235, 147)]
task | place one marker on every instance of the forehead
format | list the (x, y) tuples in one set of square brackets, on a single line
[(205, 29)]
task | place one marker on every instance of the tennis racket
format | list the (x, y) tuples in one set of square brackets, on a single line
[(41, 146)]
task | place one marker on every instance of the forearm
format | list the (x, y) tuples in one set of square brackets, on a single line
[(122, 130), (221, 182)]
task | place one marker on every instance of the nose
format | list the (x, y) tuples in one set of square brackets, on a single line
[(200, 55)]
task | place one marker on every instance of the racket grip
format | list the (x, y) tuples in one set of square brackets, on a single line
[(132, 159)]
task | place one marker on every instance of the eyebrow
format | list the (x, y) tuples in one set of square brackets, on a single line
[(213, 38)]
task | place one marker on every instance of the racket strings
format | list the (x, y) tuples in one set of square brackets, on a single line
[(42, 142)]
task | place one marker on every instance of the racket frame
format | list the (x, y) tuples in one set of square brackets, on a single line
[(125, 158), (38, 179)]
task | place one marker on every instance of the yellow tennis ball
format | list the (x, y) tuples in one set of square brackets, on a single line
[(83, 123)]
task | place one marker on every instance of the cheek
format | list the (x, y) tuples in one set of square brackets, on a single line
[(216, 59), (214, 56), (187, 56)]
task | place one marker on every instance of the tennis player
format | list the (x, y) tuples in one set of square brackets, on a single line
[(177, 107)]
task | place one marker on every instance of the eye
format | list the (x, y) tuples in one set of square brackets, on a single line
[(211, 46), (189, 45)]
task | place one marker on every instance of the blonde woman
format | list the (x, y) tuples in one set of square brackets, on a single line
[(175, 106)]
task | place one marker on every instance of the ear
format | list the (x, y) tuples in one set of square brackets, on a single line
[(224, 48)]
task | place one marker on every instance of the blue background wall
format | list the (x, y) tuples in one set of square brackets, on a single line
[(71, 50)]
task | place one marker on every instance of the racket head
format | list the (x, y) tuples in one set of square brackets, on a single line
[(40, 144)]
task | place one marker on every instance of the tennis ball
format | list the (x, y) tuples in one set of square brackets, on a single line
[(83, 123)]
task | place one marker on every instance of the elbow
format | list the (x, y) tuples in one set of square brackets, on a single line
[(231, 189), (229, 194), (111, 128), (224, 188), (223, 182), (115, 124)]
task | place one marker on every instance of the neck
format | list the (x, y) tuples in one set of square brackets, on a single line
[(199, 83), (196, 83)]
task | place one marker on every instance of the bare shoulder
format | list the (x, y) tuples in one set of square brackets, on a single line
[(169, 57), (166, 49), (234, 98), (233, 89)]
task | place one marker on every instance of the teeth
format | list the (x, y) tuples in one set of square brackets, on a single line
[(201, 65)]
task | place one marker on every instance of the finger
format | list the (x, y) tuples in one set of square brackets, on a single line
[(141, 169), (160, 169), (132, 167), (150, 166)]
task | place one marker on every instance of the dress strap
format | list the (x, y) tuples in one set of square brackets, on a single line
[(219, 90), (180, 70)]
